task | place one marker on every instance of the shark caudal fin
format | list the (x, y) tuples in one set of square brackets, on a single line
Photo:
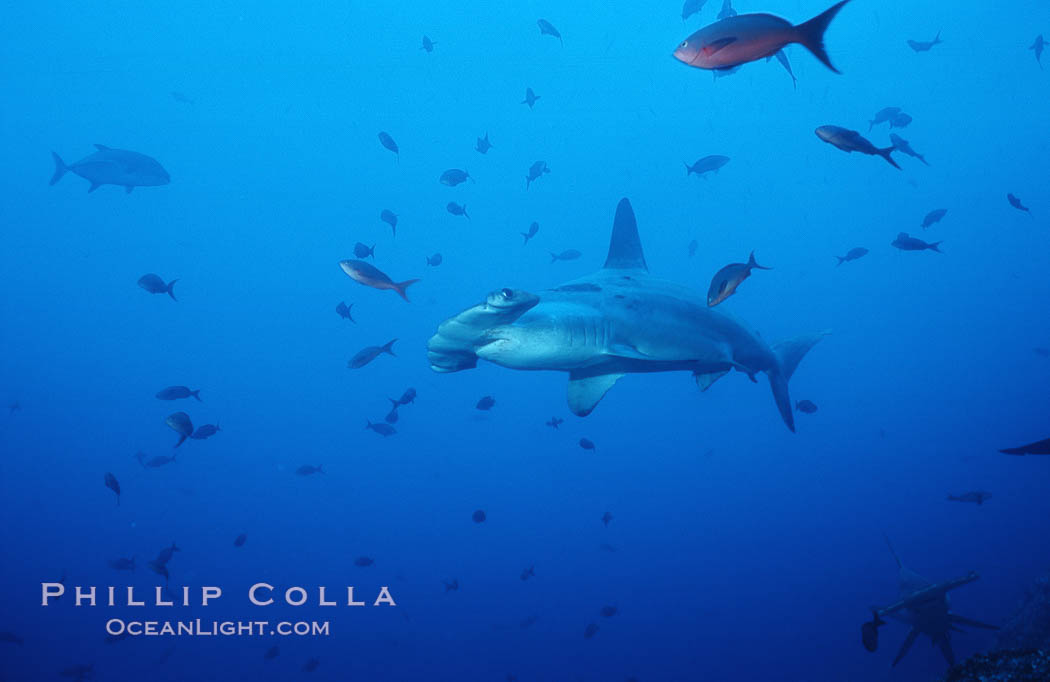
[(788, 354), (810, 34), (625, 247)]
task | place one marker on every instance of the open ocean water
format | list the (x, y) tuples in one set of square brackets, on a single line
[(671, 534)]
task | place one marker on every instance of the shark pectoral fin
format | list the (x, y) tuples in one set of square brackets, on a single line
[(972, 623), (704, 381), (908, 641), (622, 350), (585, 391)]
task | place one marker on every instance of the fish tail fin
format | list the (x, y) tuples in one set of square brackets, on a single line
[(182, 438), (885, 153), (871, 124), (788, 354), (320, 468), (688, 169), (752, 264), (171, 292), (60, 168), (952, 498), (368, 424), (923, 159), (810, 34), (934, 246), (554, 256), (400, 287), (197, 394), (841, 260), (525, 234), (389, 347), (937, 39), (465, 212), (395, 403)]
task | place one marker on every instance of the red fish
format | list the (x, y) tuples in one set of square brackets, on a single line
[(372, 276)]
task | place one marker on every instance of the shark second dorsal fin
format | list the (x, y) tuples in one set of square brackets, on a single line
[(625, 247)]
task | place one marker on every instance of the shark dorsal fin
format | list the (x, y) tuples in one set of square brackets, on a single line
[(625, 248)]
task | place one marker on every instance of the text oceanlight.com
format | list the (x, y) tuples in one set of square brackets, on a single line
[(116, 627)]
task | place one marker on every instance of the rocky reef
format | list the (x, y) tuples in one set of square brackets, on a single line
[(1007, 665)]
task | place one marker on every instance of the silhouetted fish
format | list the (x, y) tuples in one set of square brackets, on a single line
[(869, 632), (1038, 45), (272, 653), (364, 251), (904, 147), (343, 311), (180, 423), (587, 444), (726, 280), (904, 242), (240, 540), (370, 353), (434, 260), (529, 572), (547, 29), (486, 403), (933, 217), (205, 431), (363, 561), (609, 611), (450, 585), (177, 393), (568, 254), (159, 461), (923, 46), (114, 167), (1040, 447), (883, 115), (806, 406), (530, 97), (901, 120), (977, 497), (371, 276), (381, 428), (309, 470), (478, 516), (853, 254), (390, 218), (606, 518), (533, 229), (1016, 203), (181, 98), (454, 176), (409, 396), (554, 422), (483, 145), (457, 209), (536, 171), (428, 44), (691, 249), (311, 665), (747, 37), (155, 285), (852, 141), (392, 416), (590, 630), (707, 164), (388, 143)]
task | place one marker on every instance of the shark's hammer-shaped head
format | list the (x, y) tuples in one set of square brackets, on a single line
[(455, 345)]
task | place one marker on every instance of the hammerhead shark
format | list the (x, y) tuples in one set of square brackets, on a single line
[(616, 321), (924, 606)]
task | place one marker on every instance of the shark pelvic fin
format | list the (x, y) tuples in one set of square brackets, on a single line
[(625, 247), (704, 381), (585, 391), (908, 641)]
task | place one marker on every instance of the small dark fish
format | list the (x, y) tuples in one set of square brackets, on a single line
[(457, 209), (933, 217), (482, 146), (486, 403), (478, 516), (977, 497), (606, 518), (590, 630), (587, 444), (10, 637), (181, 424), (727, 10), (554, 422), (536, 171), (409, 396), (853, 254), (155, 285), (852, 141), (367, 355), (783, 59), (111, 483), (390, 218), (906, 243), (1042, 352), (364, 561), (1040, 447), (869, 632), (747, 37), (388, 143), (924, 46), (311, 665), (726, 280), (381, 428), (272, 653), (530, 97), (343, 311), (454, 176), (434, 260), (904, 147), (900, 121), (205, 431), (160, 569), (882, 116), (691, 249), (609, 611), (181, 98), (527, 622), (140, 457), (1038, 46), (178, 392), (392, 416), (309, 470), (164, 556), (547, 29), (568, 254), (240, 540), (122, 564), (371, 276), (533, 229), (707, 164), (529, 572), (365, 251), (451, 586), (805, 406), (428, 44), (159, 461), (691, 7), (1016, 203)]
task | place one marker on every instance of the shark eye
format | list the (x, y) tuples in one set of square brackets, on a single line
[(507, 294)]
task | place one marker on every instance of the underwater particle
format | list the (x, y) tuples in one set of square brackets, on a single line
[(527, 573), (272, 653), (370, 353), (122, 564), (609, 611), (590, 630), (726, 280), (977, 497), (311, 665), (478, 516), (240, 540), (451, 585)]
